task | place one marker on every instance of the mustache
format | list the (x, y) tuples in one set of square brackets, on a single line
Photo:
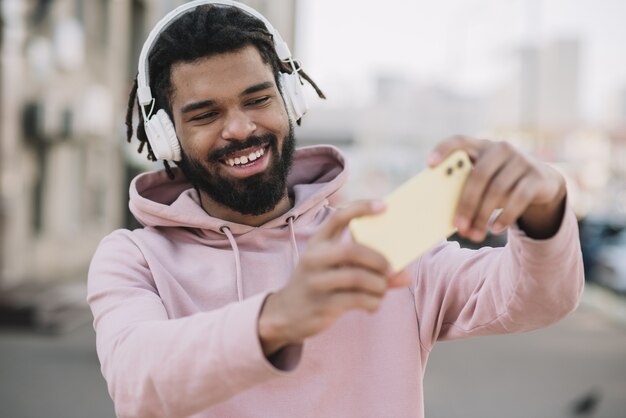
[(252, 141)]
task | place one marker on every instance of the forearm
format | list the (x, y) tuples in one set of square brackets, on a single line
[(182, 366), (528, 284)]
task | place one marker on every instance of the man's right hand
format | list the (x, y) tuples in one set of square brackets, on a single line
[(332, 277)]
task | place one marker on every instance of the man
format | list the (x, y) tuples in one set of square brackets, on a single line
[(244, 296)]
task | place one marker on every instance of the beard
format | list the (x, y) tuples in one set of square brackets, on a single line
[(253, 195)]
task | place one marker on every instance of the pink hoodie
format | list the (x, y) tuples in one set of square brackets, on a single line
[(176, 307)]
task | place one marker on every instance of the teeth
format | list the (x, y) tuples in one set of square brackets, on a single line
[(244, 159)]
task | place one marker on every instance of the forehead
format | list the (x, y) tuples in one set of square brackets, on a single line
[(218, 76)]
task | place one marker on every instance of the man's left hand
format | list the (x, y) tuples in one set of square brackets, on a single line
[(528, 191)]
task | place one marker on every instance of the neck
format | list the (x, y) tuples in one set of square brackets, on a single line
[(217, 210)]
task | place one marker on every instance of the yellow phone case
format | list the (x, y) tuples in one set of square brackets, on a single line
[(419, 213)]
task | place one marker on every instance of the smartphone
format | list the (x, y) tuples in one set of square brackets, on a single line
[(419, 213)]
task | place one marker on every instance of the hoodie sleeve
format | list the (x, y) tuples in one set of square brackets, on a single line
[(523, 286), (155, 366)]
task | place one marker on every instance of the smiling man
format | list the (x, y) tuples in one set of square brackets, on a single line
[(244, 296)]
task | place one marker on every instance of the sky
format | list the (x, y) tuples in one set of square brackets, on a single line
[(467, 44)]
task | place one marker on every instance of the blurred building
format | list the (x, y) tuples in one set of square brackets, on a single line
[(543, 92), (388, 140), (549, 85), (67, 67), (61, 163)]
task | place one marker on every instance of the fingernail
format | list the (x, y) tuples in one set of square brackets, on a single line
[(461, 223), (476, 235), (497, 228), (377, 205), (433, 158)]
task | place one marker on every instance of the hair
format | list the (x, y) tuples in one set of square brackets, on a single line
[(206, 31)]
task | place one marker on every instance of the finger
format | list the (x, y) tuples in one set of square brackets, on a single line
[(485, 169), (402, 279), (340, 219), (338, 254), (470, 145), (351, 279), (519, 200), (497, 195), (344, 301)]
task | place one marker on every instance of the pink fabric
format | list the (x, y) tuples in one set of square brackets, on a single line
[(174, 340)]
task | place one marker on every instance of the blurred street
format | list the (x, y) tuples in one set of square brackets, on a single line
[(550, 373), (52, 376), (579, 363)]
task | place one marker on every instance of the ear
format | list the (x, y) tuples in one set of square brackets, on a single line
[(162, 137)]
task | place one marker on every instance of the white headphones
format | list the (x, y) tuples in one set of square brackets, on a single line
[(159, 128)]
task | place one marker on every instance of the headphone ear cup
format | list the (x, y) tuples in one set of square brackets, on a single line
[(297, 104), (162, 137)]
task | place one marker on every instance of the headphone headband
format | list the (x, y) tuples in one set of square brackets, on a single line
[(144, 94)]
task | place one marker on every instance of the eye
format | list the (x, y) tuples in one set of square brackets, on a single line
[(204, 116), (258, 101)]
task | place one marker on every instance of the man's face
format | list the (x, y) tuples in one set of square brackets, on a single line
[(236, 139)]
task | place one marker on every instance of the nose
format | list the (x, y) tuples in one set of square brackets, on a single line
[(238, 125)]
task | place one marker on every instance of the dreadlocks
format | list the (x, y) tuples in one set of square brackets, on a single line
[(208, 30)]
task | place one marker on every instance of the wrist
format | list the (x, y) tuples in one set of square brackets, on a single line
[(271, 327), (543, 221)]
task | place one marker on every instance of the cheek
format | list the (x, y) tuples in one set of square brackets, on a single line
[(277, 120), (196, 142), (282, 113)]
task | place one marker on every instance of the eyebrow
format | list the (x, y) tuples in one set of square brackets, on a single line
[(257, 87), (190, 107), (197, 105)]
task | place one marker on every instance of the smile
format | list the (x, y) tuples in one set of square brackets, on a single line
[(245, 157), (247, 162)]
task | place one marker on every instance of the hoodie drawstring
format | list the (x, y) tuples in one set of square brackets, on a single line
[(233, 244), (294, 243)]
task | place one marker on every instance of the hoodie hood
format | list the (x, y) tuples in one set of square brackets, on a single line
[(316, 174)]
